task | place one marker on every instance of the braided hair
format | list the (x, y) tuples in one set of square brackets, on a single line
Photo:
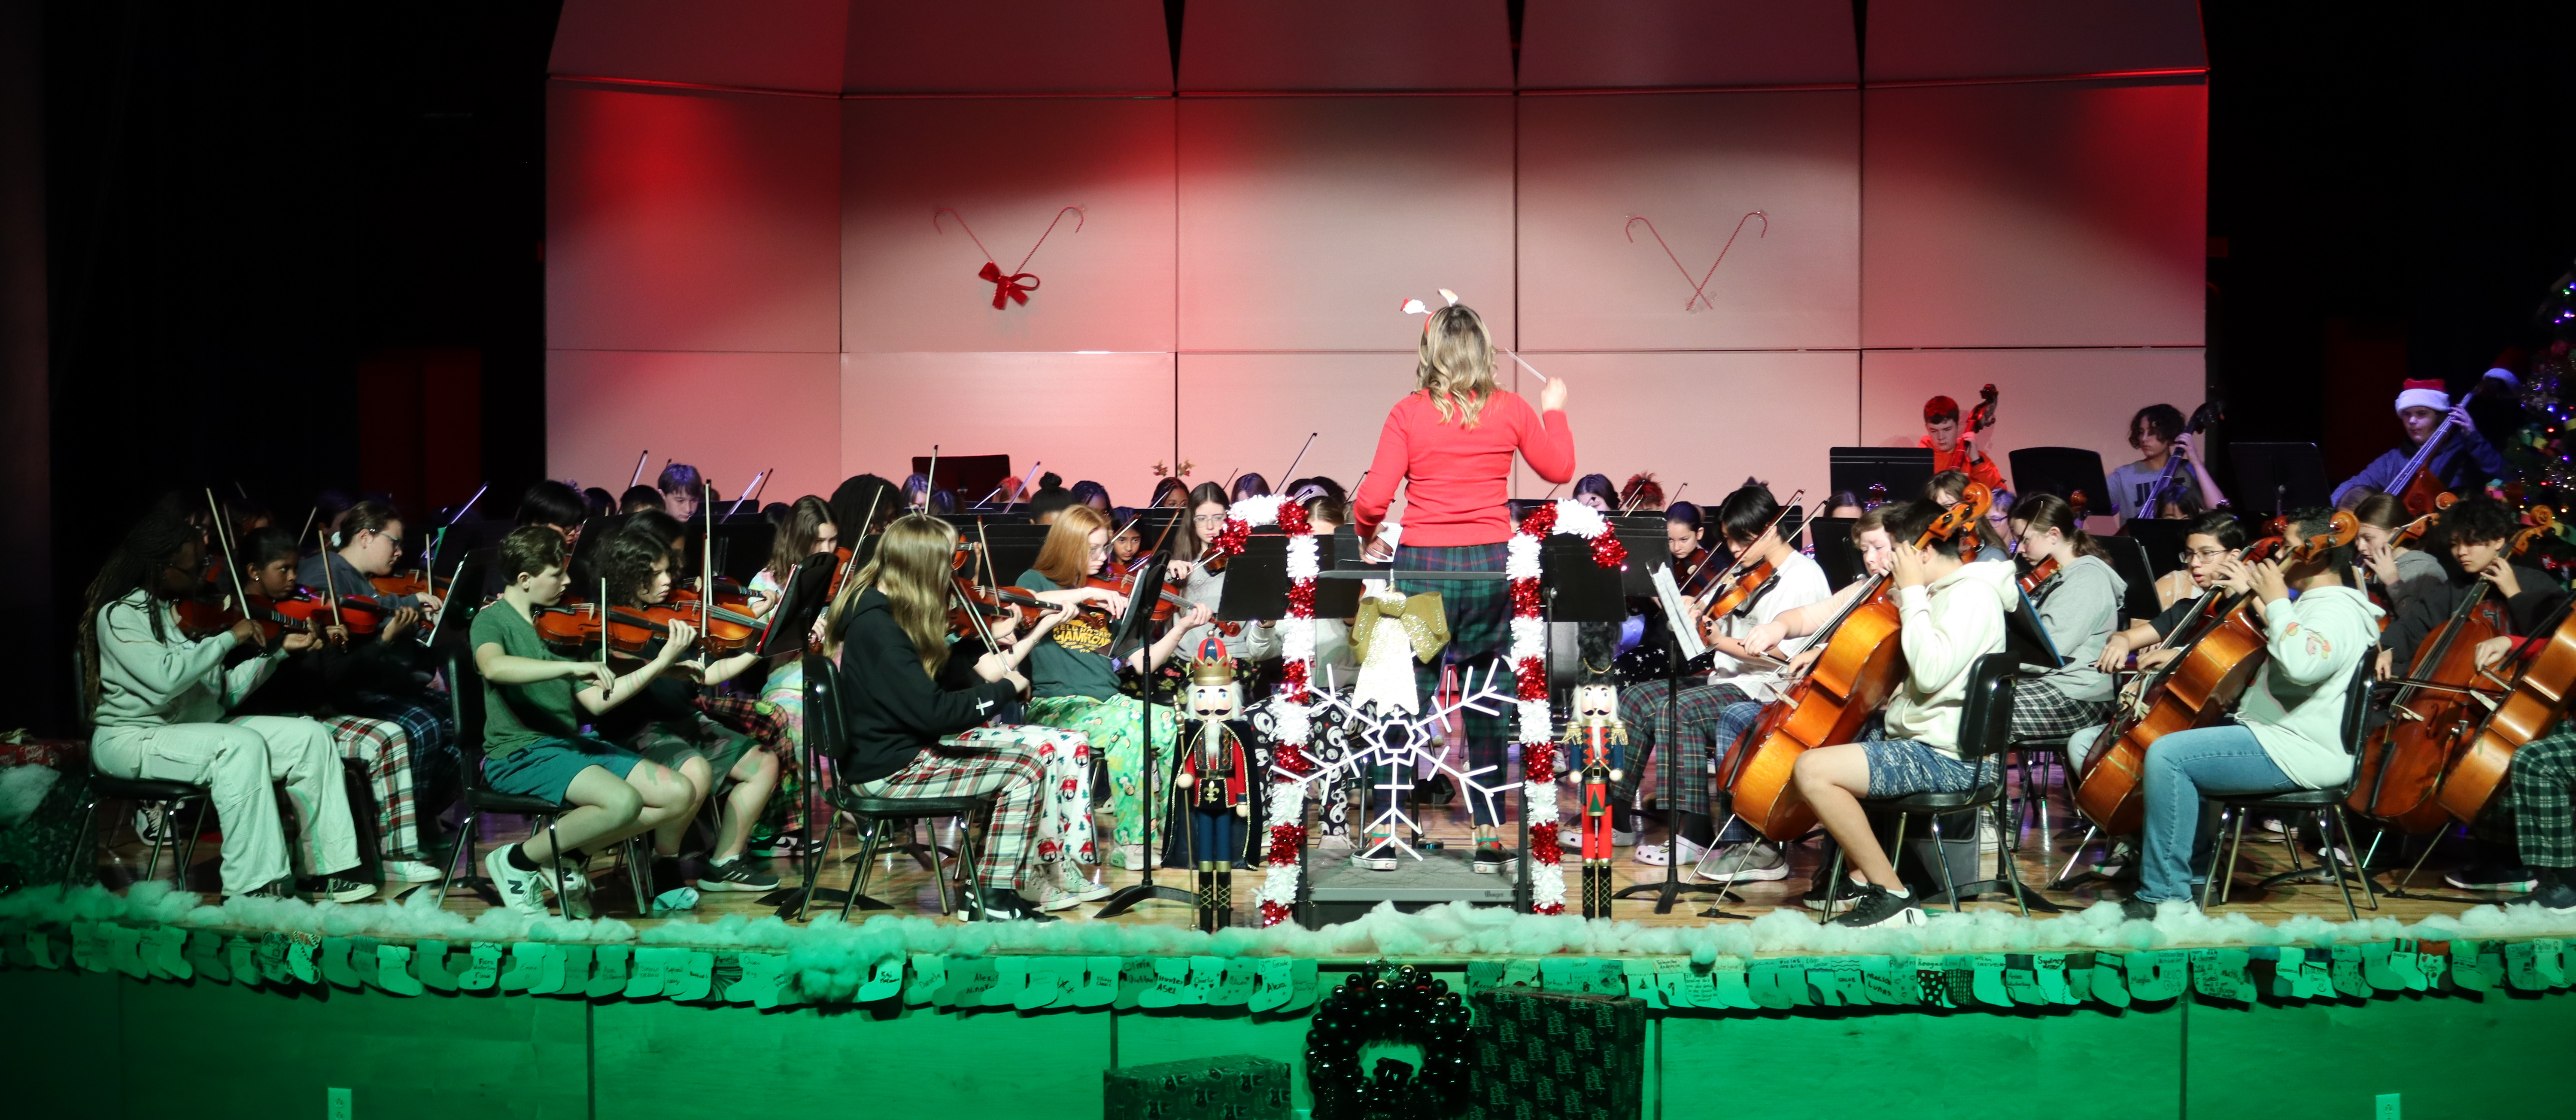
[(154, 543)]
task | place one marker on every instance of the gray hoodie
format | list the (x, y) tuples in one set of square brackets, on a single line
[(145, 681), (2080, 609)]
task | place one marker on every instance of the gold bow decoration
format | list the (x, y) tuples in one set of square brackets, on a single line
[(1426, 626)]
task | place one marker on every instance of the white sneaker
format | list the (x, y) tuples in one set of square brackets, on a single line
[(1132, 857), (1657, 855), (148, 823), (523, 891), (407, 871), (1750, 862), (1076, 887)]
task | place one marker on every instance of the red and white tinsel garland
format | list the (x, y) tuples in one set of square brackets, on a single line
[(1529, 669), (1291, 709)]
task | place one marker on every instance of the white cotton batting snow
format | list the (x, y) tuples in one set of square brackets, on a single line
[(22, 788), (834, 952)]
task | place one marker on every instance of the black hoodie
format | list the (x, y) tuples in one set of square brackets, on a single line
[(890, 709)]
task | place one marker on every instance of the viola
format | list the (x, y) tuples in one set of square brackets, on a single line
[(2202, 418), (1860, 666), (2222, 648)]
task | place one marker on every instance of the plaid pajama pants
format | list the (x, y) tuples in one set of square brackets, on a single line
[(386, 749), (1007, 769), (1642, 707), (427, 722), (2544, 774), (1479, 613), (2042, 714)]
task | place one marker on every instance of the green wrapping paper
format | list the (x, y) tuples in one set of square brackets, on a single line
[(1557, 1054), (1226, 1087)]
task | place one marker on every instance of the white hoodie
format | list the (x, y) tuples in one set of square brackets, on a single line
[(1947, 625), (2295, 707)]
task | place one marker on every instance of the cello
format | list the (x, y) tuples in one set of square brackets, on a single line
[(1860, 666), (2420, 489), (2222, 650), (2537, 701)]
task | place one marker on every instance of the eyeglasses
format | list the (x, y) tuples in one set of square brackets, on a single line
[(2190, 556), (1216, 519)]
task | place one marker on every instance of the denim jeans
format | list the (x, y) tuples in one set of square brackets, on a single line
[(2182, 768)]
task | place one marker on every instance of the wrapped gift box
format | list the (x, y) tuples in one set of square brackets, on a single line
[(1226, 1087), (1557, 1055)]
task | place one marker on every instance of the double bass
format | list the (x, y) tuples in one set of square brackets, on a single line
[(1860, 666), (2222, 650)]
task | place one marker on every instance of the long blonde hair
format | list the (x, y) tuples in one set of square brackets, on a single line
[(1456, 369), (911, 566), (1065, 557)]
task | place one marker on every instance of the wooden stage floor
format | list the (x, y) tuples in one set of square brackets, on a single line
[(902, 881)]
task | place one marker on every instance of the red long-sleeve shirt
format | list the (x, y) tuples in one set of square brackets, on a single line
[(1460, 477), (1964, 458)]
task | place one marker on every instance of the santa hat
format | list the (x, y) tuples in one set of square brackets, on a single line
[(2504, 375), (2428, 394)]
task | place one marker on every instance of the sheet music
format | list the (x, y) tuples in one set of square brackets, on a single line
[(1676, 616)]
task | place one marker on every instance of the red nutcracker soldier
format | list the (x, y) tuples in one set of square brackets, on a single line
[(1596, 734), (1215, 776)]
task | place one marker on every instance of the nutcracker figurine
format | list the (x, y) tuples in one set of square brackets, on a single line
[(1214, 779), (1593, 732)]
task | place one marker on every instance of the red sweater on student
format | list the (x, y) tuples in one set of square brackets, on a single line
[(1460, 476)]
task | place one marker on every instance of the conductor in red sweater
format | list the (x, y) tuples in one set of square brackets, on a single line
[(1451, 442)]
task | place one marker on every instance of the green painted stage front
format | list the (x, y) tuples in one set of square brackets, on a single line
[(103, 1046)]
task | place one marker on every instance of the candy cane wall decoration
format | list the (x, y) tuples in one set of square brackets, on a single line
[(1015, 284), (1699, 288)]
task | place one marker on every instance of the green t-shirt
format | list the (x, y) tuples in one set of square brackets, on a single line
[(521, 715), (1057, 671)]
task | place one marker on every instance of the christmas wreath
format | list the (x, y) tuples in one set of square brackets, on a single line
[(1403, 1005)]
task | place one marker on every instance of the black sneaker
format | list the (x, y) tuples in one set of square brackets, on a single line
[(785, 845), (1007, 906), (1875, 906), (1496, 860), (337, 888), (2554, 896), (2137, 910), (277, 889), (2498, 877), (1815, 896), (736, 874)]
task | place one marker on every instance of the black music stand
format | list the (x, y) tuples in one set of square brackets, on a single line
[(1339, 597), (2129, 558), (1126, 639), (1879, 474), (2280, 477), (2065, 472), (2160, 539), (1835, 552), (1013, 548), (742, 546), (1256, 582), (1577, 572), (971, 476)]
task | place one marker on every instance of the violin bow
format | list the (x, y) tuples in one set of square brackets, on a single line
[(1291, 472), (224, 537), (1025, 477), (758, 480), (930, 478), (469, 503), (707, 559), (1797, 499), (441, 619), (638, 477), (331, 584)]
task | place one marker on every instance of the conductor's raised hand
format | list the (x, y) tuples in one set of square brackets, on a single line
[(1552, 398)]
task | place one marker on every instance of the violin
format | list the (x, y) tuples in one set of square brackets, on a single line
[(1744, 583), (2039, 573), (204, 618), (1700, 575), (1859, 668), (574, 627), (974, 600), (414, 582), (2222, 648)]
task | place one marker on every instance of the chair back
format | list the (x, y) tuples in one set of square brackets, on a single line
[(825, 736), (2356, 704), (1985, 719), (465, 703)]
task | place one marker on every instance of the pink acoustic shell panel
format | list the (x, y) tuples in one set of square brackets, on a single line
[(1912, 40), (1693, 165), (1709, 420), (774, 44), (2044, 398), (691, 221), (1234, 45), (1250, 412), (1008, 167), (731, 415), (1008, 46), (1306, 222), (2035, 214), (1105, 417), (1586, 44)]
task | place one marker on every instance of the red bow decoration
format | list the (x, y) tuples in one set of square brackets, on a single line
[(1008, 287)]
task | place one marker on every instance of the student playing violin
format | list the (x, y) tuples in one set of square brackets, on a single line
[(369, 540), (680, 487), (1073, 684), (807, 530), (2079, 606), (2397, 572), (1594, 490), (1692, 563), (1759, 531), (663, 722), (1190, 543), (159, 702), (535, 702), (324, 681), (556, 506), (396, 686)]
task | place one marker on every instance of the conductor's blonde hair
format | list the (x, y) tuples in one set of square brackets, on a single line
[(1456, 369)]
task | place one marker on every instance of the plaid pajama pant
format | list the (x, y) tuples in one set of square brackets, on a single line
[(386, 749), (426, 720), (2544, 774), (1007, 769), (1479, 613), (1642, 707), (2042, 714)]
